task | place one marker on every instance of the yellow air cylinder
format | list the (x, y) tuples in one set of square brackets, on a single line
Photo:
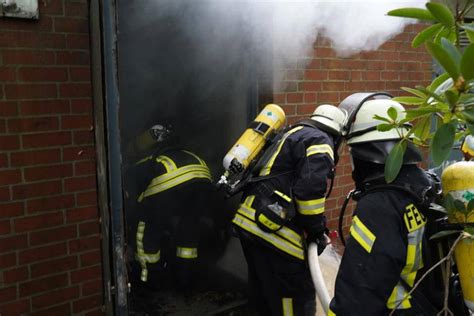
[(458, 181), (271, 118)]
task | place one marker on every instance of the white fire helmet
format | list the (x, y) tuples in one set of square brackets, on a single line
[(330, 118), (362, 126)]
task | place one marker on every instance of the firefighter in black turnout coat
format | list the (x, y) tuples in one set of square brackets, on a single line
[(284, 210), (168, 194), (384, 251)]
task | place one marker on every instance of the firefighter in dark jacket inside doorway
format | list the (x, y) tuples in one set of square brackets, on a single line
[(168, 192), (283, 209), (384, 251)]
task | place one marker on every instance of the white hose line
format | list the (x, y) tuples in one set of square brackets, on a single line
[(317, 276)]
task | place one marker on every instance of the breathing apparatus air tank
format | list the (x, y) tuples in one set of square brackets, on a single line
[(458, 181), (248, 146)]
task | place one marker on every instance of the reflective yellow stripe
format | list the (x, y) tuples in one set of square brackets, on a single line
[(249, 200), (172, 179), (285, 232), (399, 294), (267, 168), (202, 162), (268, 222), (287, 305), (331, 313), (273, 239), (320, 149), (167, 162), (142, 257), (362, 234), (283, 196), (311, 207), (143, 160), (186, 253)]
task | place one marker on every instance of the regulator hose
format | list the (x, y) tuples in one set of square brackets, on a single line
[(341, 215)]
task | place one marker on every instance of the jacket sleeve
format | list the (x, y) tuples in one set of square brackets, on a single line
[(373, 259), (315, 163)]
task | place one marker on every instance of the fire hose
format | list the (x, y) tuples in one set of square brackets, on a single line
[(317, 276)]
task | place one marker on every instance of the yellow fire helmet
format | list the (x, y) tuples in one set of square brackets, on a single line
[(467, 147)]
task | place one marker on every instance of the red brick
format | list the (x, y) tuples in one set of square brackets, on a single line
[(309, 86), (33, 124), (80, 184), (333, 86), (15, 275), (36, 189), (44, 107), (9, 142), (90, 258), (42, 74), (279, 98), (51, 235), (78, 41), (7, 74), (78, 153), (86, 274), (52, 7), (389, 75), (80, 74), (339, 75), (81, 214), (47, 139), (10, 177), (5, 227), (43, 24), (71, 25), (8, 108), (294, 97), (86, 303), (40, 253), (7, 294), (48, 172), (88, 167), (53, 40), (83, 137), (54, 266), (5, 194), (11, 243), (32, 223), (28, 57), (96, 312), (84, 244), (72, 58), (305, 109), (19, 39), (76, 122), (92, 287), (7, 260), (371, 75), (50, 203), (327, 97), (43, 285), (86, 198), (64, 309), (3, 126), (78, 9), (75, 90), (81, 106), (53, 297), (19, 307), (35, 157), (316, 75), (30, 91), (89, 228)]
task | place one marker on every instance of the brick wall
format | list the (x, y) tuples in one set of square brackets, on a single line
[(49, 230), (325, 78)]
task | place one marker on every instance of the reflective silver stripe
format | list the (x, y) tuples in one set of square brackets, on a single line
[(311, 207), (320, 149), (362, 234), (186, 253), (167, 181), (273, 239), (267, 168), (167, 162), (287, 305), (415, 239)]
